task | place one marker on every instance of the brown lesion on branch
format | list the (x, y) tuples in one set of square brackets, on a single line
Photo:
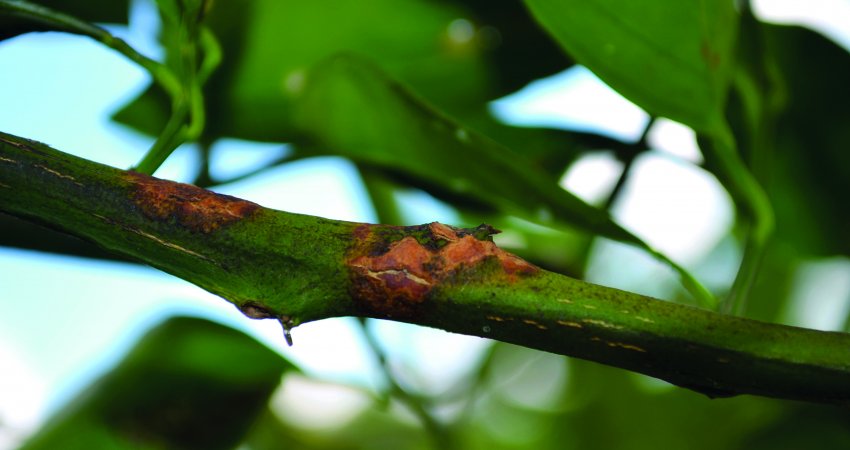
[(395, 268), (191, 207)]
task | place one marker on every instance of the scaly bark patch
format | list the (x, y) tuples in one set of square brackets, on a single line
[(193, 208), (395, 268)]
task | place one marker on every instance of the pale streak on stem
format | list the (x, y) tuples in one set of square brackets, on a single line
[(408, 275), (156, 239), (59, 174), (169, 244), (602, 323)]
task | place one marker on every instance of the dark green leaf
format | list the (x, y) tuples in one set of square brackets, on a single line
[(670, 57), (592, 407), (348, 107), (189, 383), (788, 111), (519, 52), (373, 428), (811, 180), (269, 44)]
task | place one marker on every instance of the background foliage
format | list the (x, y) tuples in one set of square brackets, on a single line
[(403, 92)]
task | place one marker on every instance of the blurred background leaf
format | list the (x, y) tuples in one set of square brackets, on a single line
[(542, 401), (672, 58), (809, 168), (189, 383), (268, 45), (787, 110), (349, 108)]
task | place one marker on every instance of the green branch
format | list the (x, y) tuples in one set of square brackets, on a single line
[(296, 268)]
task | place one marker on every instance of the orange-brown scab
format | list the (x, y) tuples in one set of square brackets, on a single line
[(396, 281), (191, 207)]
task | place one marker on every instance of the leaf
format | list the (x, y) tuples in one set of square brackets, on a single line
[(110, 11), (189, 383), (670, 57), (518, 51), (811, 177), (350, 108), (269, 44), (660, 417)]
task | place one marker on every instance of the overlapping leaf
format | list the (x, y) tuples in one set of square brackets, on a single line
[(811, 179), (269, 44), (670, 57), (350, 108)]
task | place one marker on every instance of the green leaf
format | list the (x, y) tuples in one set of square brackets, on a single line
[(189, 383), (348, 107), (268, 45), (670, 57), (811, 164), (517, 50), (660, 417)]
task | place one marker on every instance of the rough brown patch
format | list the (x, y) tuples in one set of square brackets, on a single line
[(396, 281), (255, 310), (196, 209)]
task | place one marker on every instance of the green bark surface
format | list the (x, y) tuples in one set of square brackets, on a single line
[(296, 268)]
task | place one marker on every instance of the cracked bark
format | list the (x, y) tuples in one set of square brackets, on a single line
[(296, 268)]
